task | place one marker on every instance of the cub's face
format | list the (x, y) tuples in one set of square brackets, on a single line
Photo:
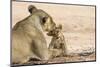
[(45, 19), (55, 32)]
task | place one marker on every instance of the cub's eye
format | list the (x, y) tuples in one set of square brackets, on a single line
[(44, 19), (57, 31)]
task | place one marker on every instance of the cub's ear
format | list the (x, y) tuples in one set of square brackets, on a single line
[(60, 26), (32, 8)]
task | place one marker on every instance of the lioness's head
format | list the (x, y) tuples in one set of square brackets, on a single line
[(45, 19)]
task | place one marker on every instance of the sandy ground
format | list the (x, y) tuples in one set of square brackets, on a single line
[(78, 25)]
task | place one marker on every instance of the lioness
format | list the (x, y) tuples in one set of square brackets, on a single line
[(28, 40)]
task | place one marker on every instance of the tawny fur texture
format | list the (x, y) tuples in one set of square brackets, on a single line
[(28, 40), (57, 46)]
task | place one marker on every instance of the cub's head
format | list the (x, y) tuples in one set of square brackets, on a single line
[(45, 19), (55, 32)]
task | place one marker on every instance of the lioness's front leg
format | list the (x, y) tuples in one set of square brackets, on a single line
[(39, 47)]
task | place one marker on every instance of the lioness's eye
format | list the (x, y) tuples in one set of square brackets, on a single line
[(44, 20)]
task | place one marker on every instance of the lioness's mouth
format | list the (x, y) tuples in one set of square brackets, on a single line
[(50, 33)]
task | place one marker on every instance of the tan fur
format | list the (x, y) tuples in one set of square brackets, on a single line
[(27, 36), (57, 45)]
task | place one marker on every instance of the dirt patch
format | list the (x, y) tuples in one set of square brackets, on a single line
[(66, 59)]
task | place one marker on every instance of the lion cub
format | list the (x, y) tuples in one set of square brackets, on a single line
[(57, 45)]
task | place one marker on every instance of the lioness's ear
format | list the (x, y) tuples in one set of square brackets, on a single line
[(32, 8)]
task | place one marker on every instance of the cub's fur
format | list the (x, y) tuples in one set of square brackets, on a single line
[(57, 45)]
